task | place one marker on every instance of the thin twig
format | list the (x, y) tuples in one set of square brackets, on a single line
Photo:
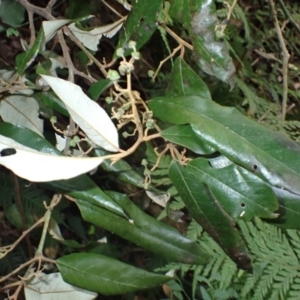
[(44, 12), (70, 66), (7, 249), (223, 26), (50, 4), (288, 15), (161, 63), (285, 59), (66, 55), (112, 9), (55, 200), (32, 29), (22, 266), (73, 38), (230, 8), (177, 38)]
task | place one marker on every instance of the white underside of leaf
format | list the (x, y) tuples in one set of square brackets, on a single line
[(60, 142), (125, 4), (52, 286), (90, 39), (40, 167), (92, 118), (22, 110), (158, 198), (50, 27)]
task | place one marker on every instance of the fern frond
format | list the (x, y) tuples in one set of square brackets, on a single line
[(163, 35), (276, 267), (194, 230), (238, 13), (177, 203), (292, 129), (273, 253)]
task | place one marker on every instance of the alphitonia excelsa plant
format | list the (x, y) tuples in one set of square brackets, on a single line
[(220, 165)]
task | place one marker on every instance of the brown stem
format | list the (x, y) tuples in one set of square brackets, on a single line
[(44, 12), (285, 59)]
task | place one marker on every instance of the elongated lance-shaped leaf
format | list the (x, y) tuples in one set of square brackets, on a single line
[(241, 193), (144, 231), (25, 59), (106, 275), (79, 187), (92, 118), (209, 213), (268, 154), (40, 167)]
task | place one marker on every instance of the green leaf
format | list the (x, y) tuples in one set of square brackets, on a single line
[(52, 101), (12, 13), (239, 191), (144, 231), (185, 82), (79, 187), (268, 154), (184, 136), (84, 188), (140, 24), (97, 88), (200, 19), (27, 137), (12, 32), (25, 59), (106, 275), (206, 209)]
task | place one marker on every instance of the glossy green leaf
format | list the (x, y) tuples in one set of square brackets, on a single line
[(79, 187), (184, 136), (25, 59), (12, 13), (97, 88), (144, 230), (185, 82), (140, 24), (206, 209), (268, 154), (27, 137), (106, 275), (200, 19), (241, 193), (82, 187), (52, 101)]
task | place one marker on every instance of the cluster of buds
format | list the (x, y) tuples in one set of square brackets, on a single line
[(125, 67)]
